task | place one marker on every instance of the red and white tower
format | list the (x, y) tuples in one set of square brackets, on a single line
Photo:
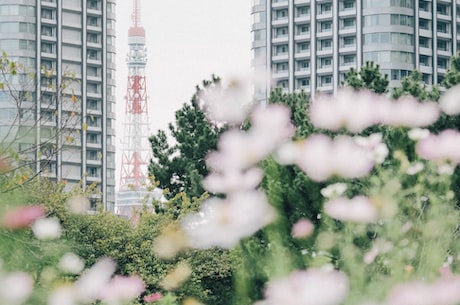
[(135, 147)]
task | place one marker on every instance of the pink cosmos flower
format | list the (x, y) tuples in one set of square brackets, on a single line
[(440, 148), (233, 181), (442, 291), (450, 101), (401, 112), (321, 158), (357, 209), (302, 228), (15, 287), (223, 222), (309, 287), (121, 289), (22, 217), (354, 111), (152, 297)]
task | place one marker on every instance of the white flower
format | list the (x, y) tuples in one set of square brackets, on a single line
[(308, 287), (321, 158), (71, 263), (442, 147), (349, 109), (227, 104), (233, 181), (450, 101), (445, 169), (223, 222), (418, 134), (63, 295), (357, 209), (334, 190), (47, 228), (78, 204), (273, 123), (15, 288), (93, 280), (402, 112), (121, 289), (377, 149), (288, 152), (415, 169)]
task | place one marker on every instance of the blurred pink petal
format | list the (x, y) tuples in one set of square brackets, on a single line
[(153, 297), (309, 287), (22, 217), (15, 287), (302, 228), (357, 209), (442, 147), (122, 289)]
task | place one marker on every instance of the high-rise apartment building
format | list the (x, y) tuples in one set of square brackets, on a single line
[(312, 44), (65, 110)]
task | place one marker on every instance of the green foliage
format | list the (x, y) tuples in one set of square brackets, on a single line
[(414, 86), (180, 167), (369, 77), (452, 77)]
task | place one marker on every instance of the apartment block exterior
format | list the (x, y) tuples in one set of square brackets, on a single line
[(312, 44), (69, 99)]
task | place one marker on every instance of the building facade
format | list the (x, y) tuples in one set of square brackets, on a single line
[(312, 44), (59, 108)]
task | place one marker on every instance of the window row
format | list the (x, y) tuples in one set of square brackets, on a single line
[(389, 57), (388, 19), (387, 37), (387, 3)]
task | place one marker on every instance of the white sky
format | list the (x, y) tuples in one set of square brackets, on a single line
[(187, 41)]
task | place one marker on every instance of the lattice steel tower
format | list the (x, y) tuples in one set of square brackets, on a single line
[(135, 149)]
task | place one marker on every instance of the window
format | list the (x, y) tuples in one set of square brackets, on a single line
[(442, 27), (443, 45), (424, 60), (303, 83), (349, 23), (93, 54), (442, 9), (349, 59), (303, 29), (424, 24), (326, 62), (326, 44), (281, 67), (325, 8), (281, 32), (303, 47), (47, 31), (93, 104), (282, 84), (326, 26), (424, 42), (303, 65), (303, 11), (348, 5), (93, 138), (93, 4), (93, 37), (326, 80), (47, 14), (46, 47), (94, 172), (348, 41), (92, 155), (281, 49), (281, 14), (93, 21)]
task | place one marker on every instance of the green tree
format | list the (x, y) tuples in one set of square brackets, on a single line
[(180, 167), (413, 85), (452, 77), (369, 77)]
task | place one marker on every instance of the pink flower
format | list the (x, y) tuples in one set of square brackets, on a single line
[(354, 111), (152, 297), (302, 228), (223, 222), (443, 291), (309, 287), (15, 287), (402, 112), (122, 288), (440, 148), (22, 217), (232, 181), (450, 101), (321, 158), (357, 209)]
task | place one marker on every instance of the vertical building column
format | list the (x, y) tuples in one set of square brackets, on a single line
[(416, 32), (104, 105), (454, 27), (84, 41), (38, 91), (291, 51), (335, 45), (435, 40), (359, 34), (313, 48), (59, 96), (269, 50)]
